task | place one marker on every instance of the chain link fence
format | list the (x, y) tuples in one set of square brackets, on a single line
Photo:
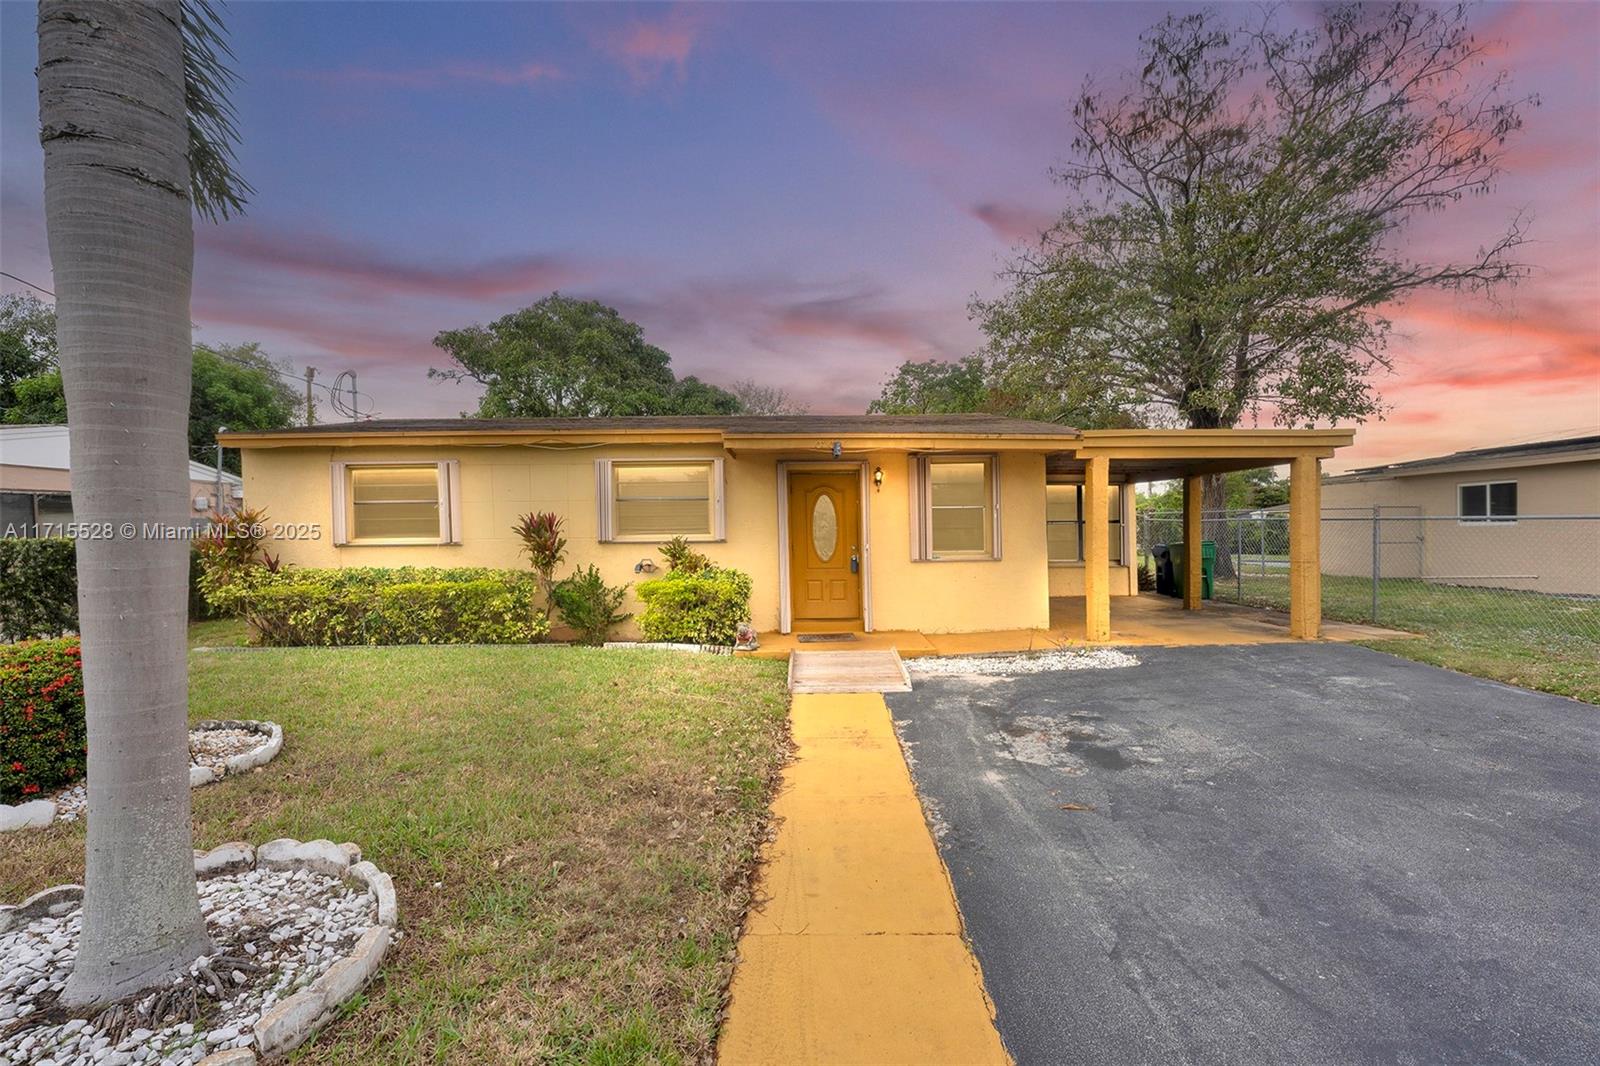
[(1534, 577)]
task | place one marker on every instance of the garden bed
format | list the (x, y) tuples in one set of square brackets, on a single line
[(216, 749), (297, 930)]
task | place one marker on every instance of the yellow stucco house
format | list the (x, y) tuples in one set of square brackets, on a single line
[(932, 523)]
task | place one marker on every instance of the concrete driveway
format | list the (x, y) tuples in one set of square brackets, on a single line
[(1281, 853)]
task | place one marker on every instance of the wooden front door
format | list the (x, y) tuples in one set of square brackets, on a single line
[(825, 545)]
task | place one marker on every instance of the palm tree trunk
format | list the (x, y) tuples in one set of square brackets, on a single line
[(113, 126)]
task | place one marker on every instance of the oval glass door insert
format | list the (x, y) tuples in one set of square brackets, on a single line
[(824, 527)]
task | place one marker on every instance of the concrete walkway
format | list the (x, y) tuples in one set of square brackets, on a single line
[(854, 953)]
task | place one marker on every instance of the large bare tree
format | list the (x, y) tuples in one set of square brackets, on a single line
[(137, 134), (1238, 209)]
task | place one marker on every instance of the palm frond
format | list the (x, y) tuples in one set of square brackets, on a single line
[(217, 188)]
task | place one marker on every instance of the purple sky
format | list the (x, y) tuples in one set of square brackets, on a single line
[(805, 195)]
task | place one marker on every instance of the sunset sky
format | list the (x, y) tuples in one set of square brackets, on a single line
[(805, 195)]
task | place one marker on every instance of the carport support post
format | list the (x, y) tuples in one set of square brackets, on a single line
[(1193, 500), (1096, 549), (1305, 547)]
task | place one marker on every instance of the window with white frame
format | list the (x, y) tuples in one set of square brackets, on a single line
[(956, 507), (653, 499), (1487, 501), (1063, 523), (396, 503)]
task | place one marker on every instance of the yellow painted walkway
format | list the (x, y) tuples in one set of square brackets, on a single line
[(854, 952)]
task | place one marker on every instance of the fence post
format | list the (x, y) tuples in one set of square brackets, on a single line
[(1238, 559), (1262, 558), (1377, 557)]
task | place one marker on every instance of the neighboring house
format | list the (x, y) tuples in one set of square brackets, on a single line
[(1491, 517), (36, 482), (939, 523)]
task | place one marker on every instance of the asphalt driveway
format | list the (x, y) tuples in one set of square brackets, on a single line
[(1279, 853)]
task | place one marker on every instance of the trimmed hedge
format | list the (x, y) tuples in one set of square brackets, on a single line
[(44, 740), (370, 605), (38, 587), (695, 606)]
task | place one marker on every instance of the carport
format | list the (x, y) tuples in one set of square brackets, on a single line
[(1135, 455)]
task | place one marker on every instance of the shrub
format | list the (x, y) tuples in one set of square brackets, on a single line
[(43, 738), (680, 556), (544, 545), (371, 605), (589, 605), (695, 606), (38, 587)]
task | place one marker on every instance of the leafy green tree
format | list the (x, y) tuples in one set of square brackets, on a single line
[(691, 396), (569, 358), (27, 343), (1236, 214), (233, 385), (237, 386), (37, 401), (1018, 389), (934, 387)]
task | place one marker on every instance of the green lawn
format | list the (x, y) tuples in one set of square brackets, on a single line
[(1550, 643), (571, 832)]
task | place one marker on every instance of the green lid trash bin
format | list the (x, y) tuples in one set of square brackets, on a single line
[(1208, 567)]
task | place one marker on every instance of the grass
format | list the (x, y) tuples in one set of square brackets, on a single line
[(1550, 643), (571, 833)]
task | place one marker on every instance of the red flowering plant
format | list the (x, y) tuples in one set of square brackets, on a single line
[(43, 738)]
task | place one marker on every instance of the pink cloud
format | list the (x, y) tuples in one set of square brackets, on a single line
[(650, 49), (437, 76), (1013, 223), (375, 273)]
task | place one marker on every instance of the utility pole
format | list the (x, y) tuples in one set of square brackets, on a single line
[(311, 403), (216, 504)]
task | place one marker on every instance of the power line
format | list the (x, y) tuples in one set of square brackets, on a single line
[(350, 408)]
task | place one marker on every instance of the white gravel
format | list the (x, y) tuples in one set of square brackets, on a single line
[(1022, 663), (292, 924), (207, 747)]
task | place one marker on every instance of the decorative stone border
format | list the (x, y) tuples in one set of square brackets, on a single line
[(245, 760), (666, 645), (292, 1021), (41, 813)]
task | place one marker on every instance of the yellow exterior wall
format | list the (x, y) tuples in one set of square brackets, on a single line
[(959, 596), (500, 484), (1538, 556)]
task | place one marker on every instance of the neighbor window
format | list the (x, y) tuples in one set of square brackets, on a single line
[(1063, 522), (1487, 502), (956, 507), (396, 503), (656, 500)]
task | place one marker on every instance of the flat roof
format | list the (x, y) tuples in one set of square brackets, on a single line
[(1544, 450)]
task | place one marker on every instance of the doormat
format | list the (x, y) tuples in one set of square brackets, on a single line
[(824, 638)]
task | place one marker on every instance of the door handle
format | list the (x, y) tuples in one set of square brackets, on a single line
[(855, 562)]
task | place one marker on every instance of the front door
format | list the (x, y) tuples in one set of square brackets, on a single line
[(825, 546)]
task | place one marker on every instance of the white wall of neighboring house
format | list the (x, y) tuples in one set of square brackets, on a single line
[(1535, 552), (36, 481)]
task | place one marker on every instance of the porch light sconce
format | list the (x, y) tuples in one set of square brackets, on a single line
[(645, 566), (838, 449), (877, 478)]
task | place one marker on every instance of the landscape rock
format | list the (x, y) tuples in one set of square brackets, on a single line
[(35, 814), (224, 859), (323, 856)]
